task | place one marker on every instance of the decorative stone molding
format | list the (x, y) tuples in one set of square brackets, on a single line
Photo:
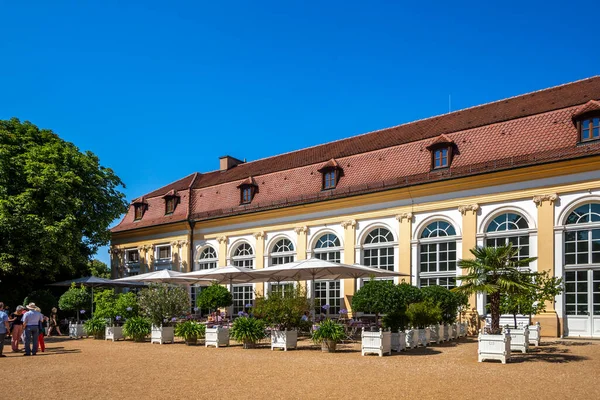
[(539, 199), (259, 235), (301, 229), (222, 239), (469, 207), (179, 243), (351, 223), (116, 251), (407, 215)]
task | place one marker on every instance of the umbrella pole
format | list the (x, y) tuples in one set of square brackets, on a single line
[(92, 301)]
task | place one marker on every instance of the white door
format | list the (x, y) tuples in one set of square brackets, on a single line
[(582, 303)]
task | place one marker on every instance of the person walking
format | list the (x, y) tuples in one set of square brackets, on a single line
[(31, 324), (42, 330), (4, 328), (53, 322), (16, 319)]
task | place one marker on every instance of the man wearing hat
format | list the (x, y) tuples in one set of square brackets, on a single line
[(31, 324), (4, 328)]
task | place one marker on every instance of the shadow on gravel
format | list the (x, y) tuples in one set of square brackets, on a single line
[(547, 353)]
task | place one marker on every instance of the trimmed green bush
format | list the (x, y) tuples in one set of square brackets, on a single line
[(137, 328), (190, 331), (247, 330), (95, 327), (423, 314), (214, 297), (283, 311)]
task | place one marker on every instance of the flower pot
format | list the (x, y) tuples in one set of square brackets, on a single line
[(328, 346), (519, 339), (217, 336), (98, 335), (162, 334), (113, 333), (462, 329), (398, 341), (436, 333), (494, 347), (75, 330), (191, 341), (412, 338), (446, 335), (248, 344), (453, 331), (535, 334), (376, 342), (284, 339), (424, 336)]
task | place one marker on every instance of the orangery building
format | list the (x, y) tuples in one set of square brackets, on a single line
[(412, 198)]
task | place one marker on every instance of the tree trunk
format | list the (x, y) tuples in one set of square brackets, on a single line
[(495, 311)]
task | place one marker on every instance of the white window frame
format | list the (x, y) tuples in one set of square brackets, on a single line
[(204, 263), (157, 258), (391, 245), (437, 274), (243, 260)]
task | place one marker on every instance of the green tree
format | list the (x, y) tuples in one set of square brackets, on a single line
[(126, 306), (99, 269), (213, 297), (376, 297), (44, 299), (283, 311), (105, 304), (56, 204), (75, 299), (541, 288), (495, 271), (445, 299), (160, 303)]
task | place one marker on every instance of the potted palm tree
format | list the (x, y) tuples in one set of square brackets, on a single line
[(494, 271), (212, 298), (162, 304), (283, 312), (328, 333)]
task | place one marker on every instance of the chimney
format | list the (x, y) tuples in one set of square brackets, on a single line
[(228, 162)]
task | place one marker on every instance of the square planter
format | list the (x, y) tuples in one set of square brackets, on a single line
[(453, 331), (424, 336), (113, 333), (519, 339), (162, 334), (284, 339), (535, 334), (412, 338), (462, 329), (494, 347), (398, 341), (75, 330), (446, 333), (217, 336), (436, 333), (376, 342)]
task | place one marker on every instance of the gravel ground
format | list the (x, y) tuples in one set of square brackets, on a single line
[(91, 369)]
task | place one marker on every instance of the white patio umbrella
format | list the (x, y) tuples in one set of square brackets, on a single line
[(162, 276), (229, 274)]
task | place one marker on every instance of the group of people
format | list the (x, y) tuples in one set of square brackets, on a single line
[(26, 324)]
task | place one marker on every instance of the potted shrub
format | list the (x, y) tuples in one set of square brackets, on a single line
[(379, 342), (75, 299), (421, 316), (248, 330), (212, 298), (137, 328), (448, 305), (190, 331), (125, 307), (495, 271), (395, 323), (328, 333), (162, 304), (283, 313), (104, 307), (95, 327)]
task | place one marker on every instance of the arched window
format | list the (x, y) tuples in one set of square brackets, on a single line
[(437, 255), (282, 252), (378, 250), (207, 259), (507, 228), (582, 243), (243, 256), (327, 293)]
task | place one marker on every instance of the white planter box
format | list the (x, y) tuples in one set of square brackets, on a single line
[(217, 337), (113, 333), (75, 330), (424, 336), (162, 334), (494, 347), (398, 341), (519, 340), (446, 332), (376, 342), (462, 329), (435, 333), (535, 334), (284, 339), (412, 338), (453, 331)]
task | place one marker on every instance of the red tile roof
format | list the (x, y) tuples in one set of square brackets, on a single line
[(590, 106), (525, 130), (442, 139)]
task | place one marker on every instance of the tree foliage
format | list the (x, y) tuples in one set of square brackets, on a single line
[(213, 297), (56, 204), (75, 299), (126, 305), (283, 310), (43, 298), (423, 314), (104, 303), (495, 271), (377, 297), (160, 303), (447, 301), (99, 269)]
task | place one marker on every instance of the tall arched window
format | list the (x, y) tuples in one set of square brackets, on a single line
[(282, 252), (327, 293), (582, 270), (243, 256), (378, 250), (507, 228), (207, 259), (437, 255)]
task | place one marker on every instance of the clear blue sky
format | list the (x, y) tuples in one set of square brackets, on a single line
[(159, 89)]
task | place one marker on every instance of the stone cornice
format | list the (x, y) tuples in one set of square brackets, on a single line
[(351, 223), (222, 239), (301, 229), (259, 235), (539, 199), (469, 207), (407, 215)]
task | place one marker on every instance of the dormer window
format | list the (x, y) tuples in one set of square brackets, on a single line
[(590, 129), (441, 149), (331, 174), (139, 207), (248, 189), (171, 201), (587, 120)]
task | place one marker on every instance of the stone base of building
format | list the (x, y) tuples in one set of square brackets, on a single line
[(550, 324)]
